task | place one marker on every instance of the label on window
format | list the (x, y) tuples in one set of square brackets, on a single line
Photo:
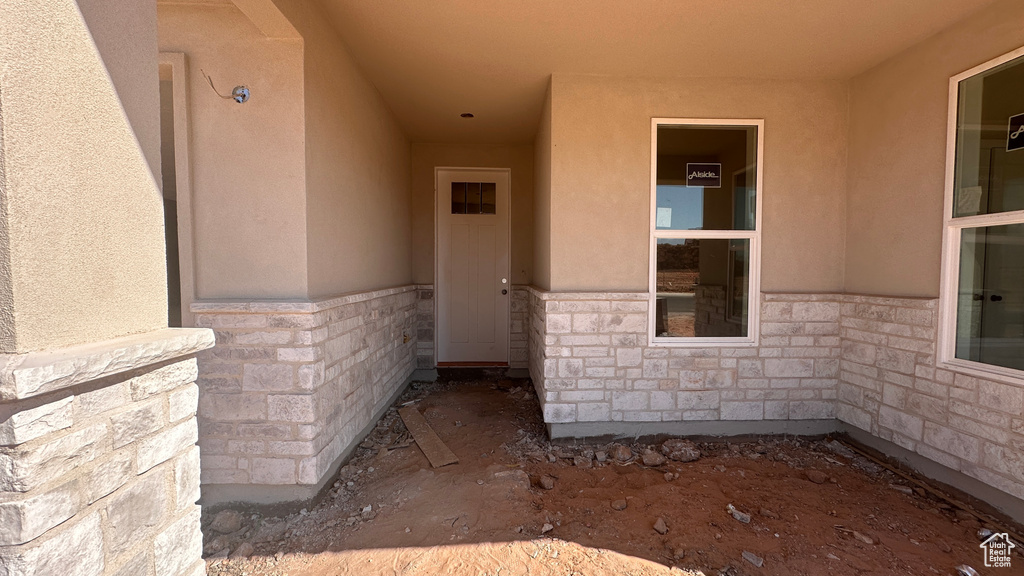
[(1015, 137), (664, 218), (706, 175)]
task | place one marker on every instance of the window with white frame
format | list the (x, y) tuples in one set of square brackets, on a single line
[(983, 264), (705, 231)]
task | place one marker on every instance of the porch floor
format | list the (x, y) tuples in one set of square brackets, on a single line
[(390, 513)]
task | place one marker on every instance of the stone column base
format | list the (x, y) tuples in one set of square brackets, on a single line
[(99, 458)]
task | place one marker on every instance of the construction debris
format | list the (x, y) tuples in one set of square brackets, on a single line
[(433, 448), (741, 516), (680, 450), (753, 558), (817, 476)]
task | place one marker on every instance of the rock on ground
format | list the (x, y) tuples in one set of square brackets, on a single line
[(817, 476), (226, 522), (680, 450), (652, 458)]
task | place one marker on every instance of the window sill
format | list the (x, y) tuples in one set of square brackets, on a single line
[(986, 371), (666, 342)]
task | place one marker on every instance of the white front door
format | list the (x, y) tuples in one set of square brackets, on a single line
[(472, 266)]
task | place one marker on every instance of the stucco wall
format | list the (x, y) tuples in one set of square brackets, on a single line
[(130, 62), (357, 169), (542, 198), (898, 115), (425, 157), (71, 261), (600, 175), (248, 160)]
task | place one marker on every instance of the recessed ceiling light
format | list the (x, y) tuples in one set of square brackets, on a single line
[(466, 115)]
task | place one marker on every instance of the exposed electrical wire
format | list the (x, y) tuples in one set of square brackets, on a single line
[(239, 94)]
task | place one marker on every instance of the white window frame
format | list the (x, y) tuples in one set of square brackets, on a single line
[(952, 230), (754, 236)]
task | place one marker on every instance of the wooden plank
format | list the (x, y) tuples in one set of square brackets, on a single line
[(432, 446)]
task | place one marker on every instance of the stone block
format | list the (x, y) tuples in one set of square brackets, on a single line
[(311, 376), (74, 550), (262, 338), (811, 410), (307, 354), (585, 323), (698, 400), (901, 422), (559, 413), (655, 368), (742, 410), (788, 368), (570, 368), (816, 311), (109, 475), (28, 424), (895, 396), (186, 479), (623, 323), (1002, 397), (896, 360), (630, 401), (273, 471), (859, 352), (133, 510), (26, 519), (593, 412), (141, 564), (24, 469), (291, 408), (232, 407), (952, 442), (183, 402), (139, 421), (914, 316), (776, 410), (167, 444), (1004, 460), (104, 399), (558, 323), (720, 379), (179, 546), (662, 400), (777, 311), (268, 377), (164, 379)]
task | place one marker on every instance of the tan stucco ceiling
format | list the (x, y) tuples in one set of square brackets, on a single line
[(432, 60)]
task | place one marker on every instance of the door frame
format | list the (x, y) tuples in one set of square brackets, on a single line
[(437, 266), (174, 65)]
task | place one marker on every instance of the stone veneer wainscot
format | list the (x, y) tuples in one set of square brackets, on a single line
[(824, 362), (291, 386), (99, 458), (518, 323), (591, 362)]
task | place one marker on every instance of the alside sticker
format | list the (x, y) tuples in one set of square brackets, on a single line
[(704, 174), (1015, 133)]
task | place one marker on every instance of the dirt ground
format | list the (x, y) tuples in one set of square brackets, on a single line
[(517, 504)]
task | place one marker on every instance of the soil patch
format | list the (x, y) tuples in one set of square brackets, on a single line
[(518, 504)]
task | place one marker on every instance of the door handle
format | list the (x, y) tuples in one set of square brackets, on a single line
[(504, 291), (995, 298)]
